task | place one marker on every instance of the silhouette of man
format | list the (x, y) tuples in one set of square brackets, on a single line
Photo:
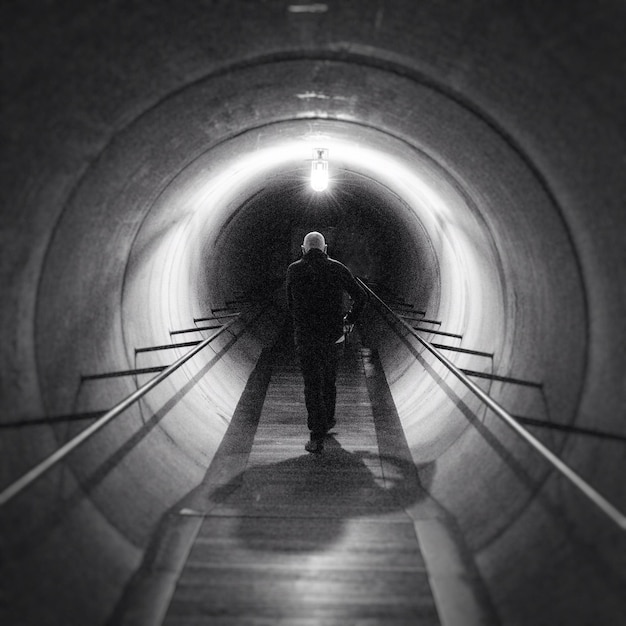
[(315, 287)]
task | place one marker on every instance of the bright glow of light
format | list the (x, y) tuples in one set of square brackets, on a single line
[(252, 168), (319, 169)]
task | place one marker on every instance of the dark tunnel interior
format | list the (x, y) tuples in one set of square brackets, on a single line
[(156, 165)]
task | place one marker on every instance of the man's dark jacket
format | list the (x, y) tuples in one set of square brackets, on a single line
[(315, 286)]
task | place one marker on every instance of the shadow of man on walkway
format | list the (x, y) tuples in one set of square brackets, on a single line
[(303, 503)]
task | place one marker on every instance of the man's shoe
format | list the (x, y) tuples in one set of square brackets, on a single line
[(314, 445)]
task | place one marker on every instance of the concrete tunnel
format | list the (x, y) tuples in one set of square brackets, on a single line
[(156, 160)]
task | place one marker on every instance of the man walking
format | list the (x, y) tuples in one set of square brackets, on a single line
[(315, 287)]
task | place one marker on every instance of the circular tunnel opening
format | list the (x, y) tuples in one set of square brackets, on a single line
[(227, 224), (397, 231), (147, 245)]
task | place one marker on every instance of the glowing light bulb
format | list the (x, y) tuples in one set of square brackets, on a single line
[(319, 169)]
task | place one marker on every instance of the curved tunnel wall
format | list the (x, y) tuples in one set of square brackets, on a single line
[(471, 170)]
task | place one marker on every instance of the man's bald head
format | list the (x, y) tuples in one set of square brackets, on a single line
[(314, 240)]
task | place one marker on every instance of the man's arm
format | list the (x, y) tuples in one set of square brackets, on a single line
[(357, 293)]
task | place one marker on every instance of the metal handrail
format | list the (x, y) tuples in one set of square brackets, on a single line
[(58, 455), (598, 499)]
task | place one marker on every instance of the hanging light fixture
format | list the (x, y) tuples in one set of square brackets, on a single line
[(319, 169)]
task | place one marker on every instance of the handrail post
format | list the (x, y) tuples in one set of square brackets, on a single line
[(584, 487)]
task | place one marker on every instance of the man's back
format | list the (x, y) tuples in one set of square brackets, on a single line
[(315, 286)]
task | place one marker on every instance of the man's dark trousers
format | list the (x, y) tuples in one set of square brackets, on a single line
[(318, 363)]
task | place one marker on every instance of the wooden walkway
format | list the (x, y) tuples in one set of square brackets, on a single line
[(303, 538), (275, 535)]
